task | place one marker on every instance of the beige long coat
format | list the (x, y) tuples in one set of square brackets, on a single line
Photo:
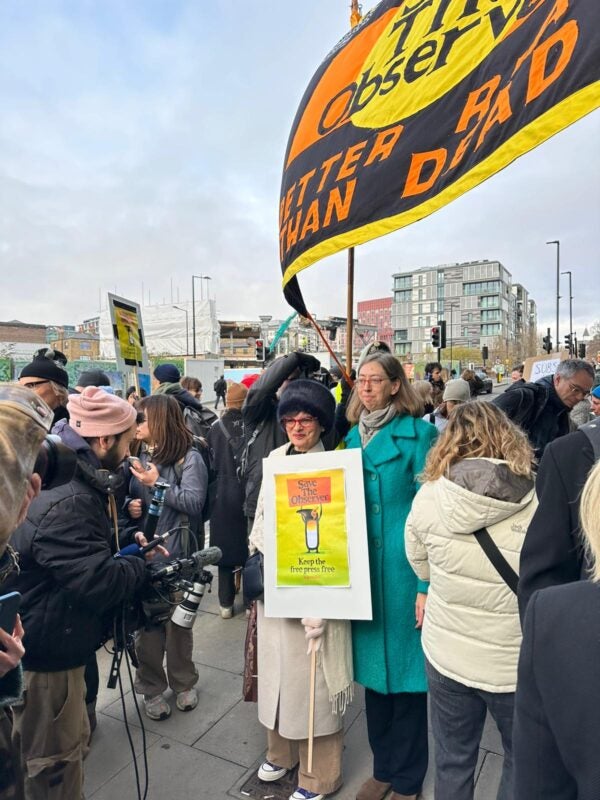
[(283, 664)]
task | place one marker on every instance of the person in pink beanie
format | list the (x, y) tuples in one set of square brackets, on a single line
[(70, 585)]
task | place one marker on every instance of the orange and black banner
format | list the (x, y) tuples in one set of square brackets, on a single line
[(421, 102)]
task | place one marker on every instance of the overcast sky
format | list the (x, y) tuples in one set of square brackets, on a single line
[(143, 141)]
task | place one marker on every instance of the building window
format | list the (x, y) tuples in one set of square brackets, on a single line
[(403, 297), (491, 330), (492, 301), (402, 349), (481, 287), (403, 282), (84, 345), (490, 316), (401, 335), (465, 332)]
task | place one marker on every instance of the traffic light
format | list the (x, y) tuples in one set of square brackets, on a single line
[(547, 342), (442, 327), (484, 353), (581, 351), (568, 343), (260, 350), (436, 337)]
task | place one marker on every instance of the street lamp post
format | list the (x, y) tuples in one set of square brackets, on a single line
[(452, 307), (195, 278), (568, 272), (557, 243), (187, 329)]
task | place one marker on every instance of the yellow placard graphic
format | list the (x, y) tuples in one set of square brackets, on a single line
[(128, 334), (311, 532)]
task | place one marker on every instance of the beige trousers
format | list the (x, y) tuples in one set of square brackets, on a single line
[(11, 786), (51, 732), (151, 646), (326, 775)]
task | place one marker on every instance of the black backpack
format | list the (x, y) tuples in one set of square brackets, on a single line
[(198, 424)]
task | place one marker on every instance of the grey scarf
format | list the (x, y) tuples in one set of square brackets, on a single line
[(371, 422)]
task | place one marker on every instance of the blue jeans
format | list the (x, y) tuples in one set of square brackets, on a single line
[(457, 718)]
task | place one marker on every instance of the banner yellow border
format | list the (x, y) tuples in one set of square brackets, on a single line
[(552, 122)]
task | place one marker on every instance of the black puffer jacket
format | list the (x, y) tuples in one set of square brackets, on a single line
[(68, 577)]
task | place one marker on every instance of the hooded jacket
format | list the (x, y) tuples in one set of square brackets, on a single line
[(68, 577), (471, 631)]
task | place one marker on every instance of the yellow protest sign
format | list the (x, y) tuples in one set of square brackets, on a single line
[(311, 530)]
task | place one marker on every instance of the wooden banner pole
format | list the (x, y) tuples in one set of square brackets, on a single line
[(311, 707)]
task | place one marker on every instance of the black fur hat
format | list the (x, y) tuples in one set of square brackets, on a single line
[(310, 396)]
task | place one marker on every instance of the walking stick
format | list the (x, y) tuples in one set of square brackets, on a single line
[(311, 706)]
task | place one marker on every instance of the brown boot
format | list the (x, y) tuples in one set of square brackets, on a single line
[(373, 789)]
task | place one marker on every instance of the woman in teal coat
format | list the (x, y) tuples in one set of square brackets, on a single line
[(388, 659)]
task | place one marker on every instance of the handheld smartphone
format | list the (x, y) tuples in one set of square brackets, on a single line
[(135, 462), (9, 606)]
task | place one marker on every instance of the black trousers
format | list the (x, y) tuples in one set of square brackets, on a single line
[(397, 728), (226, 586)]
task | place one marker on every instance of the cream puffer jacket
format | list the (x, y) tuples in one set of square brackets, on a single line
[(471, 631)]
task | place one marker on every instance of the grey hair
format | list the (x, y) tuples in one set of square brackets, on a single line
[(568, 368), (60, 392)]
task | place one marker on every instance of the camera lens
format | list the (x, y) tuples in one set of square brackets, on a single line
[(55, 463)]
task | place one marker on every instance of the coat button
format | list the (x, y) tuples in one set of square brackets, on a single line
[(373, 476), (377, 543), (375, 508)]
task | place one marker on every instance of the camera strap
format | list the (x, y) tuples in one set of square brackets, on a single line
[(500, 564)]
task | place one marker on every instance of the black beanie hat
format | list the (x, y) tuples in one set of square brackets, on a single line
[(93, 377), (309, 396), (167, 373), (44, 366)]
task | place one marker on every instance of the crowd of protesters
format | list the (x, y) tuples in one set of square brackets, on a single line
[(481, 524)]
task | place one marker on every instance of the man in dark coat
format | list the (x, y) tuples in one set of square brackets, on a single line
[(552, 552), (69, 581), (227, 520), (47, 377), (557, 708), (542, 408), (260, 418), (220, 389)]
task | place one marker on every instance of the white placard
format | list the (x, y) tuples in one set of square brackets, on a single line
[(537, 367), (352, 601)]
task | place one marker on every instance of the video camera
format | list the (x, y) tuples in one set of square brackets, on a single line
[(55, 462), (169, 580)]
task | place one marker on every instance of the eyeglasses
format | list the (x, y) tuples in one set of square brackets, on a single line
[(33, 384), (368, 381), (302, 422), (578, 391)]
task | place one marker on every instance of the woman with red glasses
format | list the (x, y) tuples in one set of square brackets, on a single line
[(306, 411)]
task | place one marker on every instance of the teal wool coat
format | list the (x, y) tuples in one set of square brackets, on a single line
[(387, 650)]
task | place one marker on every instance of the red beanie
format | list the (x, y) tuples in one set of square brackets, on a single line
[(94, 412)]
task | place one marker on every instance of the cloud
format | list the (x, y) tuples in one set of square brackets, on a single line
[(143, 142)]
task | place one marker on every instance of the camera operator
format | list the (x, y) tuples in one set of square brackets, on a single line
[(24, 421), (69, 581)]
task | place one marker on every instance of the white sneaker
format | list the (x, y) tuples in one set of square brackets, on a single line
[(304, 794), (157, 707), (270, 772), (226, 612), (188, 700)]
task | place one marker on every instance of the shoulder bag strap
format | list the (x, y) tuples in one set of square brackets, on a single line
[(500, 564), (226, 433)]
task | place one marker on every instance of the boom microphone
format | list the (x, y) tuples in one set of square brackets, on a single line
[(198, 560)]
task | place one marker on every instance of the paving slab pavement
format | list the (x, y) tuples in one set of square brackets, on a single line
[(209, 753)]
